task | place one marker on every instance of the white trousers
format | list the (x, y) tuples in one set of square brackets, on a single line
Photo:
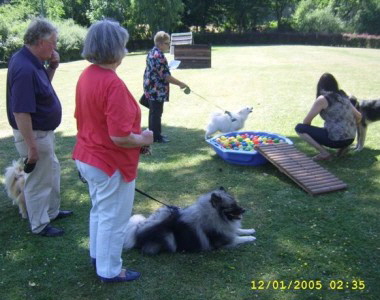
[(42, 185), (112, 202)]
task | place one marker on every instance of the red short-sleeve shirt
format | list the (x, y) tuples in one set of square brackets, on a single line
[(104, 108)]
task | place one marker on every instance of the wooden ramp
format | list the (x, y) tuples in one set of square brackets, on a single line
[(301, 169)]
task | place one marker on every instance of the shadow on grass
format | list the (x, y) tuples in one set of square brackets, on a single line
[(328, 236)]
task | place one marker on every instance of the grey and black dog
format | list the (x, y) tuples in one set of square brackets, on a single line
[(210, 223), (370, 110)]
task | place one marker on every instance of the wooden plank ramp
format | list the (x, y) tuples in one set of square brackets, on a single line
[(310, 176)]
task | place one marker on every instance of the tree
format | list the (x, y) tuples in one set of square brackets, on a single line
[(77, 10), (51, 9), (360, 16), (117, 10), (279, 7), (311, 16), (199, 13), (367, 19), (158, 14), (244, 15)]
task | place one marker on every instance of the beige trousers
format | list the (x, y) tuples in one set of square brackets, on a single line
[(42, 185)]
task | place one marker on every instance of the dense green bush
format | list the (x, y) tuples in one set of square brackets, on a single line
[(321, 20), (70, 41), (309, 17), (11, 39)]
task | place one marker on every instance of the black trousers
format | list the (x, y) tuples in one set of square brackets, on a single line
[(156, 108), (320, 135)]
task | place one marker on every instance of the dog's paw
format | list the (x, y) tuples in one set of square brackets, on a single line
[(245, 239), (249, 231), (251, 239)]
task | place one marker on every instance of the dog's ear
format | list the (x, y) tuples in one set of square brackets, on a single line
[(354, 101), (215, 200), (222, 188)]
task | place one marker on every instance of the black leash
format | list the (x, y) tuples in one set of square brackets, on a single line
[(150, 197), (225, 111), (139, 191)]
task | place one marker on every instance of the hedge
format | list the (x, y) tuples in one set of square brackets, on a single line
[(277, 38), (71, 38)]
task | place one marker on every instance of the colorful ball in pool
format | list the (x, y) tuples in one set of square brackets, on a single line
[(245, 142)]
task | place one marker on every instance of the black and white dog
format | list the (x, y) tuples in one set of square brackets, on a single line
[(212, 222), (370, 110)]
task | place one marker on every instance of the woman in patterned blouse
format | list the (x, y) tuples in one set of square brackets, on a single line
[(340, 118), (157, 77)]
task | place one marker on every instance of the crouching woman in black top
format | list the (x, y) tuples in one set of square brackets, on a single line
[(340, 118)]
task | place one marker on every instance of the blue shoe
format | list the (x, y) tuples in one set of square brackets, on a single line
[(129, 276), (51, 231), (63, 214), (93, 262)]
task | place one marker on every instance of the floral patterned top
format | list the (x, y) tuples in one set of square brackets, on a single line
[(156, 88), (339, 117)]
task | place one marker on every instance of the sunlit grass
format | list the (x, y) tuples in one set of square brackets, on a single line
[(328, 237)]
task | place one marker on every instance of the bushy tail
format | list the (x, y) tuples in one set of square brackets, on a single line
[(133, 224), (11, 174)]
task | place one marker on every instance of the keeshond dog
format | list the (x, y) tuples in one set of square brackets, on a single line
[(370, 110), (210, 223), (14, 184)]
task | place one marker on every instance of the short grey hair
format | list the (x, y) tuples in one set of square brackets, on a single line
[(161, 37), (105, 42), (39, 29)]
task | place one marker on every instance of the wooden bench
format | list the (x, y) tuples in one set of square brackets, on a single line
[(183, 38), (193, 56)]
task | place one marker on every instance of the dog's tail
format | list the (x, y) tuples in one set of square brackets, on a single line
[(12, 173), (132, 226)]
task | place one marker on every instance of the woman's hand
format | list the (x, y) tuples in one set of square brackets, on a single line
[(182, 85), (147, 136)]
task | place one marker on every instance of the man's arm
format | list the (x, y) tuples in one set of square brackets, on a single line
[(24, 124)]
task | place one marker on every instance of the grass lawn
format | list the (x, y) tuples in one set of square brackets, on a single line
[(331, 238)]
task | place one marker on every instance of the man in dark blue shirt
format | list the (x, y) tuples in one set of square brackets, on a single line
[(34, 112)]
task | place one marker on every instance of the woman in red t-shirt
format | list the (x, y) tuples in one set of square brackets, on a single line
[(108, 145)]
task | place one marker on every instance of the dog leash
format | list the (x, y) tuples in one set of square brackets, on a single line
[(150, 197), (139, 191), (203, 98)]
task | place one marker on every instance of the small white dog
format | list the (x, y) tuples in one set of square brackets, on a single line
[(227, 122), (14, 184)]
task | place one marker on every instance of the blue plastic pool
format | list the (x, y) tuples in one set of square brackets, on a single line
[(242, 157)]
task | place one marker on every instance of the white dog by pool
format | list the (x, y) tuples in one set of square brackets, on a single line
[(227, 122)]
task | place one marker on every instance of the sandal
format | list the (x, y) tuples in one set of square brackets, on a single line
[(320, 157), (342, 151)]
